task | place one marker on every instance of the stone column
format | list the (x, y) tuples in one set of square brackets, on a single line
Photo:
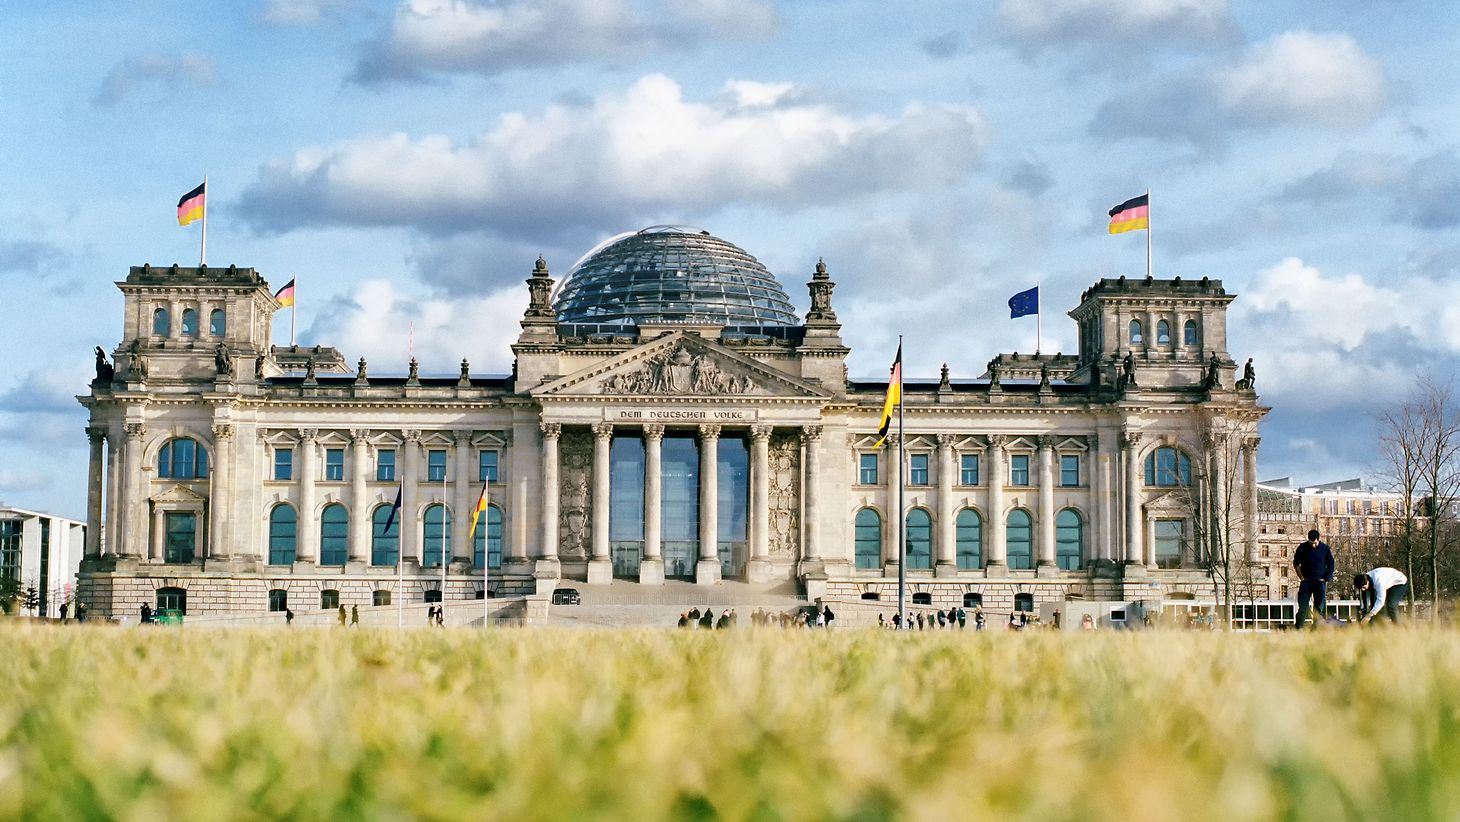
[(360, 522), (998, 548), (1249, 477), (759, 569), (600, 563), (133, 526), (947, 559), (155, 548), (547, 561), (1223, 476), (1134, 541), (651, 565), (707, 569), (308, 534), (111, 541), (811, 562), (97, 466), (409, 516), (1094, 517), (220, 513), (1046, 562), (462, 504)]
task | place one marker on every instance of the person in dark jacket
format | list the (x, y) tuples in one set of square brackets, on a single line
[(1314, 563)]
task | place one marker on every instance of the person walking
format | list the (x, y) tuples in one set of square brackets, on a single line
[(1314, 563), (80, 612), (63, 612), (342, 616), (694, 617), (942, 619), (881, 623), (978, 618), (354, 615), (1383, 587), (920, 620), (962, 617), (827, 614), (707, 619), (288, 617)]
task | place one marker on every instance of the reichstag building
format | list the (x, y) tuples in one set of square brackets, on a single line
[(668, 416)]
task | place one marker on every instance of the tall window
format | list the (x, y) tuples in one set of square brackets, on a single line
[(437, 535), (181, 540), (384, 542), (679, 510), (487, 467), (1069, 540), (172, 599), (968, 539), (10, 544), (1188, 333), (329, 599), (1069, 470), (190, 322), (278, 600), (334, 464), (488, 539), (867, 469), (1170, 537), (217, 323), (868, 539), (1136, 337), (1019, 537), (919, 540), (626, 504), (968, 469), (283, 534), (161, 323), (1163, 333), (182, 459), (385, 465), (1167, 467), (1018, 469), (1024, 602), (283, 464), (334, 535), (917, 469), (436, 465)]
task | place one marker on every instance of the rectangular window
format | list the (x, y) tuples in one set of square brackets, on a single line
[(968, 473), (334, 464), (436, 466), (181, 537), (1069, 470), (867, 469), (385, 465), (283, 464), (487, 467), (1019, 469), (10, 547), (917, 469), (1170, 536)]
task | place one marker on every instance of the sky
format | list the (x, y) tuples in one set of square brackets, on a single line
[(409, 161)]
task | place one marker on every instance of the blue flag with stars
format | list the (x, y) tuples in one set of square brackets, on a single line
[(1024, 303)]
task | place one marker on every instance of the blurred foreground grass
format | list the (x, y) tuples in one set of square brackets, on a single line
[(165, 724)]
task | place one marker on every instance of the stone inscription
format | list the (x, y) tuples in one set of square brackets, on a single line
[(679, 414)]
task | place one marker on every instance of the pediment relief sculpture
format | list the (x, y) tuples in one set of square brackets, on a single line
[(678, 371)]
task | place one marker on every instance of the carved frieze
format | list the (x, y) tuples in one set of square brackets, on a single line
[(574, 501), (678, 371), (785, 495)]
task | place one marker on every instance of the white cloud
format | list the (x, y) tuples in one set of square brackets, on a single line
[(1046, 23), (1326, 310), (746, 18), (1322, 77), (752, 94), (164, 73), (644, 152)]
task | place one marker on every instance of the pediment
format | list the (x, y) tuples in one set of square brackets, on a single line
[(679, 365), (1170, 502), (179, 495)]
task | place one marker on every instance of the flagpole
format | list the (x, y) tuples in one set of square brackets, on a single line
[(293, 309), (901, 521), (203, 251), (1148, 234), (444, 529), (400, 577), (486, 556), (1038, 321)]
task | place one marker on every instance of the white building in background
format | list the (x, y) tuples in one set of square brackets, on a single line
[(43, 551), (668, 416)]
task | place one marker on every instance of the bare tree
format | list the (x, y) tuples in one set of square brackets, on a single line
[(1217, 515)]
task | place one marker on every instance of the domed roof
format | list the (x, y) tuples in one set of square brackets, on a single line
[(671, 274)]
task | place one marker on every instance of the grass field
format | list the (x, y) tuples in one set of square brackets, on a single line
[(527, 724)]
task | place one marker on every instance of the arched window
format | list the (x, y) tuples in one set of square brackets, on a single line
[(1136, 338), (1024, 602), (379, 598), (487, 542), (283, 533), (190, 322), (1188, 333), (182, 458), (384, 542), (278, 600), (216, 322), (329, 599), (436, 536), (1168, 467), (922, 598), (433, 595), (968, 539), (919, 540), (334, 534), (161, 323), (868, 539), (172, 599), (1069, 540), (1019, 537), (1163, 333), (972, 600)]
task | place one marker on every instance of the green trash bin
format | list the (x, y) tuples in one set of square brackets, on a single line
[(168, 616)]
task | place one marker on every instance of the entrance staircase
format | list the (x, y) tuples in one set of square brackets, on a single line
[(623, 604)]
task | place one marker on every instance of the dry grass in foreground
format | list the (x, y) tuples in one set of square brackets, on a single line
[(161, 724)]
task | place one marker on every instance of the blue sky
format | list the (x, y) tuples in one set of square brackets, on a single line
[(409, 161)]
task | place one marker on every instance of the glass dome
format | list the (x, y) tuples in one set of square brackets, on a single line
[(671, 274)]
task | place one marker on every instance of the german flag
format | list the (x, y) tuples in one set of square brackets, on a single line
[(476, 514), (192, 204), (894, 397), (285, 295), (1131, 215)]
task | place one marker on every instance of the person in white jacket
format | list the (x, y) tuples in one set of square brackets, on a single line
[(1384, 588)]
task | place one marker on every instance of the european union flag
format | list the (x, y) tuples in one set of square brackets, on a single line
[(1024, 303)]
